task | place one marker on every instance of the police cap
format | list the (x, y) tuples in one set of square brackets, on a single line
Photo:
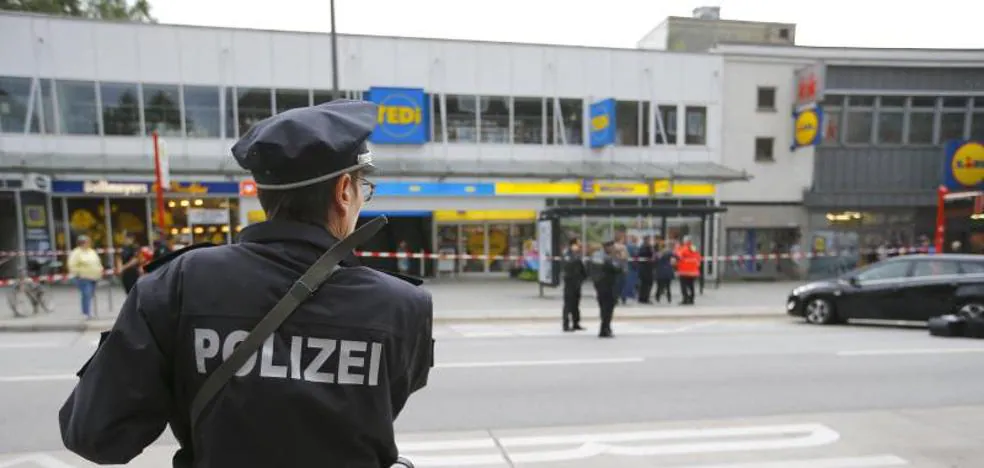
[(308, 145)]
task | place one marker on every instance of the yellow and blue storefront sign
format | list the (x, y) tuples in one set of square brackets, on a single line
[(591, 188), (807, 127), (403, 116), (963, 165), (602, 118)]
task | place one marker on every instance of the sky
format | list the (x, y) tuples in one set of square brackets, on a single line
[(603, 23)]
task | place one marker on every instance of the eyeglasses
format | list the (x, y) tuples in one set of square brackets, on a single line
[(368, 189)]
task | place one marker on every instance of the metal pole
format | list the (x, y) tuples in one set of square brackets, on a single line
[(334, 55)]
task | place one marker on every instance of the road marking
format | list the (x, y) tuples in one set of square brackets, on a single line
[(37, 460), (695, 326), (557, 362), (37, 378), (854, 462), (902, 352), (32, 345)]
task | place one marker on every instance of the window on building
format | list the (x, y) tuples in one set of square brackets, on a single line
[(977, 120), (764, 149), (78, 112), (565, 127), (833, 111), (120, 108), (47, 107), (528, 120), (494, 115), (462, 118), (860, 115), (891, 114), (15, 94), (320, 96), (952, 125), (766, 98), (921, 120), (231, 129), (647, 122), (627, 123), (668, 119), (287, 99), (162, 109), (252, 106), (696, 125), (202, 111)]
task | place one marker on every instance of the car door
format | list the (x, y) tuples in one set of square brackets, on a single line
[(929, 290), (874, 292)]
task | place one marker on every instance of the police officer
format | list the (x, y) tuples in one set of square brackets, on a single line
[(327, 385), (606, 268), (574, 275)]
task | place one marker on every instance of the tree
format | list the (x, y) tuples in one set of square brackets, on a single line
[(138, 10)]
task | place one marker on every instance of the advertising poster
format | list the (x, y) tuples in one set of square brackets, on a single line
[(544, 237)]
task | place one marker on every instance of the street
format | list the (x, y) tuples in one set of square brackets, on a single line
[(723, 393)]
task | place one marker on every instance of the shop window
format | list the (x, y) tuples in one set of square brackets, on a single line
[(77, 107), (956, 102), (565, 127), (129, 215), (766, 98), (196, 220), (832, 125), (15, 94), (495, 119), (696, 125), (921, 128), (977, 125), (528, 120), (764, 149), (58, 216), (120, 109), (859, 125), (462, 118), (627, 123), (252, 106), (668, 124), (890, 127), (291, 99), (162, 109), (952, 125), (202, 111), (87, 216)]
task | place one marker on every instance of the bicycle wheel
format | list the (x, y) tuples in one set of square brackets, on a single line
[(42, 299), (17, 300)]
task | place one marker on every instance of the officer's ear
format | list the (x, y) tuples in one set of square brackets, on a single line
[(345, 190)]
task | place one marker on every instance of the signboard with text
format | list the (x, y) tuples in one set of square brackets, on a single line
[(810, 82), (403, 116), (602, 123)]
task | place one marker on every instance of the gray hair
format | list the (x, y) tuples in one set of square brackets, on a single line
[(82, 238)]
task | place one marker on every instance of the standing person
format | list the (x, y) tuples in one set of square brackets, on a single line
[(128, 262), (645, 265), (629, 250), (86, 268), (574, 275), (403, 263), (330, 379), (688, 269), (665, 264), (605, 270)]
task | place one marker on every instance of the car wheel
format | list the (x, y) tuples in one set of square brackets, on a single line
[(819, 311), (972, 309)]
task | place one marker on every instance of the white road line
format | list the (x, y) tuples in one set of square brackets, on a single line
[(853, 462), (32, 345), (37, 378), (911, 351), (39, 460), (557, 362)]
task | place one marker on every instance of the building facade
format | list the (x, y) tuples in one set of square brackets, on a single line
[(705, 29), (872, 179), (80, 100)]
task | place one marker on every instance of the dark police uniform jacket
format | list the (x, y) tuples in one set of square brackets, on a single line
[(323, 391)]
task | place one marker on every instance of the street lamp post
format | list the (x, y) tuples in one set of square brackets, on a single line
[(334, 55)]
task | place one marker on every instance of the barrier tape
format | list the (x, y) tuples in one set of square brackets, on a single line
[(55, 278)]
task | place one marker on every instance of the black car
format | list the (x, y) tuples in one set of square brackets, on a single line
[(910, 287)]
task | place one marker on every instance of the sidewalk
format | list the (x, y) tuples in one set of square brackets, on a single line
[(458, 300)]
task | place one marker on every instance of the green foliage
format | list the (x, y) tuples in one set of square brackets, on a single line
[(117, 10)]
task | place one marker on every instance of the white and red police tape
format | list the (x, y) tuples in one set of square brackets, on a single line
[(54, 278)]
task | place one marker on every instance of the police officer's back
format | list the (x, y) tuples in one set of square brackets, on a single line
[(325, 388)]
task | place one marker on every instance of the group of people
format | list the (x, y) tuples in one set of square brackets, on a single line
[(623, 270)]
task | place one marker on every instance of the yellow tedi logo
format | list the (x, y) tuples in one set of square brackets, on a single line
[(400, 115), (968, 164)]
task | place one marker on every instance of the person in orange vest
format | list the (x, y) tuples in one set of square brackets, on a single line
[(688, 269)]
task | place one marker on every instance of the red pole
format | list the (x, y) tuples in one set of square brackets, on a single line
[(940, 218), (160, 187)]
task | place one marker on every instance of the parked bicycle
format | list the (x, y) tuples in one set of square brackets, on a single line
[(29, 294)]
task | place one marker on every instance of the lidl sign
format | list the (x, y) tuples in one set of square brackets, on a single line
[(963, 167), (808, 127), (403, 116), (602, 118)]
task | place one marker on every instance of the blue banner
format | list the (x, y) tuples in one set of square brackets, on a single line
[(602, 119), (403, 116), (963, 165), (130, 188), (807, 127), (435, 189)]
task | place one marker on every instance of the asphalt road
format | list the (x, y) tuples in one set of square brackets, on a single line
[(710, 394)]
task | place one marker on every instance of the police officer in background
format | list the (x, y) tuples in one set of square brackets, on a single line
[(606, 268), (328, 383), (574, 275)]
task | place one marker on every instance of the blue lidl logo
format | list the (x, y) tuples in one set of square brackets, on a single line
[(808, 127), (602, 118), (963, 166), (402, 116)]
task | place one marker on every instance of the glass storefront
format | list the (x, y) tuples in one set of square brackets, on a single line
[(509, 240)]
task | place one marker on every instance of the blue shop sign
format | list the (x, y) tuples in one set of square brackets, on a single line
[(136, 188), (434, 189), (403, 116), (602, 118)]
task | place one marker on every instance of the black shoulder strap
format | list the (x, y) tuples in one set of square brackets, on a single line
[(302, 289)]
